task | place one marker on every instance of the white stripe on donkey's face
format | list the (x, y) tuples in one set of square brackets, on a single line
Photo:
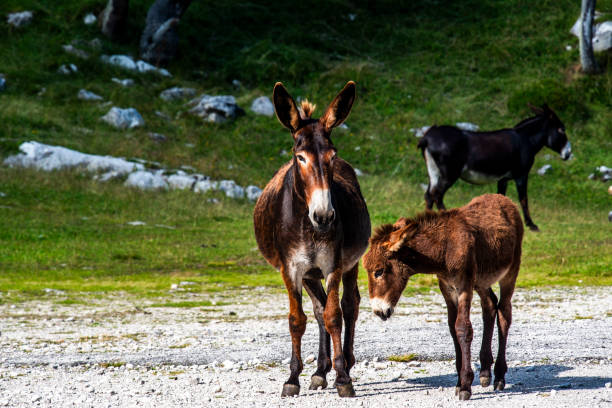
[(566, 152)]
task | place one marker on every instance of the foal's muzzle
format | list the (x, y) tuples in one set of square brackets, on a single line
[(381, 308)]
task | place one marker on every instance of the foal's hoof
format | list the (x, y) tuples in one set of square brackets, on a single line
[(534, 228), (290, 390), (464, 395), (485, 381), (317, 382), (500, 385), (345, 390)]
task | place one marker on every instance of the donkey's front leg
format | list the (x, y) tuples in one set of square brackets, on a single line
[(463, 328), (333, 324), (297, 326), (350, 312), (319, 299)]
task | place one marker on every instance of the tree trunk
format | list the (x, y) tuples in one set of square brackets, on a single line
[(113, 20), (159, 40), (587, 58)]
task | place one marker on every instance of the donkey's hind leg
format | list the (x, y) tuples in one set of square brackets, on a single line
[(488, 301), (451, 306), (350, 312), (297, 326), (504, 319), (319, 298)]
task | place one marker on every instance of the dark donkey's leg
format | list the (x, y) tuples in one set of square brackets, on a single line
[(451, 306), (350, 312), (488, 301), (333, 324), (319, 298), (521, 188), (504, 319), (297, 326), (502, 186), (463, 328)]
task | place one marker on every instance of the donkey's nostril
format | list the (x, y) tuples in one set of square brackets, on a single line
[(324, 218)]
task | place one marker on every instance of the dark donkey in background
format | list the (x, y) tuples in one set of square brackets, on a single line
[(469, 249), (312, 223), (486, 157)]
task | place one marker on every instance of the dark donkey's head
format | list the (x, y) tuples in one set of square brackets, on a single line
[(556, 139), (313, 150)]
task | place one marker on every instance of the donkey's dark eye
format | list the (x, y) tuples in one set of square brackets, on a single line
[(301, 158), (378, 273)]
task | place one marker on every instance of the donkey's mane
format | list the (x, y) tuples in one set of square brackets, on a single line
[(424, 219), (307, 109)]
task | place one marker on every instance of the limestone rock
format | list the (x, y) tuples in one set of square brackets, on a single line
[(89, 96), (544, 169), (253, 192), (77, 52), (19, 19), (127, 62), (123, 82), (123, 118), (231, 189), (467, 126), (204, 186), (177, 93), (263, 106), (217, 109), (89, 19), (67, 69), (146, 180)]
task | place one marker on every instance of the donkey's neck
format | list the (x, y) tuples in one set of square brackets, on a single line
[(534, 130)]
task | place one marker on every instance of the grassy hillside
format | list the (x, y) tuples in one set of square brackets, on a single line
[(415, 64)]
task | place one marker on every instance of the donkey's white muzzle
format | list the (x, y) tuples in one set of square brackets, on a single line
[(566, 152)]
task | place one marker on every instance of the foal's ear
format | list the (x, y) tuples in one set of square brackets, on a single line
[(400, 223), (285, 108), (396, 239), (339, 109)]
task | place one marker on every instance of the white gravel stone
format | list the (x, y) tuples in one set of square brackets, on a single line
[(180, 182), (263, 106), (310, 359), (146, 180), (136, 223), (128, 118)]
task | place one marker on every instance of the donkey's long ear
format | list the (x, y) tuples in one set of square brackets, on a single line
[(339, 109), (398, 237), (285, 108)]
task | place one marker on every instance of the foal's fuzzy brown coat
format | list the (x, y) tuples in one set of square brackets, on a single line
[(468, 248)]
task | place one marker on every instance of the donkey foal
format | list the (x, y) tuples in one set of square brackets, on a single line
[(469, 249)]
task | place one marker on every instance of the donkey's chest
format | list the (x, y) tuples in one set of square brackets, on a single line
[(306, 258)]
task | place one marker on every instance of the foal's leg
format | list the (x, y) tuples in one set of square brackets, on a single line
[(463, 329), (504, 319), (521, 188), (488, 301), (319, 298), (297, 326), (350, 312), (451, 306), (333, 324)]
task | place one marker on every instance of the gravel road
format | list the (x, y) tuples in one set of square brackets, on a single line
[(121, 351)]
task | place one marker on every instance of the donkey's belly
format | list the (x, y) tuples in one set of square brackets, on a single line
[(477, 177)]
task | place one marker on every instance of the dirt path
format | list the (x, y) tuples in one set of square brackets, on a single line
[(122, 352)]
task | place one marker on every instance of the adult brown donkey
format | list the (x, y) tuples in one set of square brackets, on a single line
[(468, 248), (312, 223)]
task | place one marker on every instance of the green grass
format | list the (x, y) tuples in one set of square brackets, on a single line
[(415, 63), (402, 358)]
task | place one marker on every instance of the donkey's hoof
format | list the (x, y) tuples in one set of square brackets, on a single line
[(290, 390), (534, 228), (485, 381), (464, 395), (345, 390), (317, 382), (500, 385)]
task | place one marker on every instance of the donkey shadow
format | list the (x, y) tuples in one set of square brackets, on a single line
[(520, 380)]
